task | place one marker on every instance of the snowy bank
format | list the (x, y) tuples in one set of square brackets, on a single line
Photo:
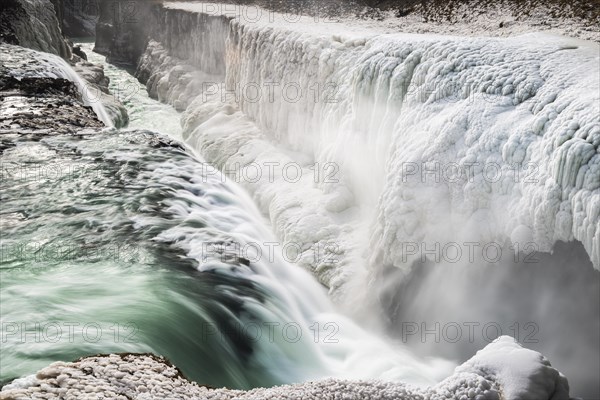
[(501, 371)]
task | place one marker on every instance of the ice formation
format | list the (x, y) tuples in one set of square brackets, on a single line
[(496, 138), (374, 121), (417, 139), (502, 370)]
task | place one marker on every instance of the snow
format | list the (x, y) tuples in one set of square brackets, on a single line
[(501, 370), (516, 116), (468, 18), (522, 373), (525, 106)]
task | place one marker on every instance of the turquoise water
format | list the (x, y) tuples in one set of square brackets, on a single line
[(104, 249), (125, 241), (94, 238)]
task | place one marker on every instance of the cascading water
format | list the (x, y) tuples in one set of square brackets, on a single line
[(142, 265), (515, 117), (144, 112), (159, 252), (53, 66)]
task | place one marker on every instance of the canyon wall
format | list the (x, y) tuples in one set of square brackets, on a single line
[(33, 24), (123, 28), (373, 73)]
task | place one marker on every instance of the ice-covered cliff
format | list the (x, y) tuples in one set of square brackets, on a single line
[(377, 154), (495, 138)]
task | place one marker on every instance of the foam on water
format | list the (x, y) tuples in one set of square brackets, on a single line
[(144, 112)]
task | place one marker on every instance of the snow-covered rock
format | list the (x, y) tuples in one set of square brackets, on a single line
[(501, 371)]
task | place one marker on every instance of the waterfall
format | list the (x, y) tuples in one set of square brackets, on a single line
[(371, 155), (53, 66), (426, 147), (464, 123), (437, 187)]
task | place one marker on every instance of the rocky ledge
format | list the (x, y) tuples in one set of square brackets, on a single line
[(501, 371), (93, 74), (34, 103), (36, 24), (44, 105)]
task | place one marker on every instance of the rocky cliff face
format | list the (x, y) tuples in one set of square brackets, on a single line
[(36, 24), (77, 18), (123, 29), (34, 103), (33, 24)]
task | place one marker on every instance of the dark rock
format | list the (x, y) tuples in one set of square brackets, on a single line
[(80, 17), (77, 51), (33, 24), (123, 29), (33, 104)]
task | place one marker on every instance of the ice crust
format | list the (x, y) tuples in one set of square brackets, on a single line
[(518, 116), (502, 370)]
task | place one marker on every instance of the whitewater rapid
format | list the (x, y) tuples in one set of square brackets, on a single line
[(122, 240), (143, 112)]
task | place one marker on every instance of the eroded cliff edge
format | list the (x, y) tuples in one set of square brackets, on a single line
[(32, 104)]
